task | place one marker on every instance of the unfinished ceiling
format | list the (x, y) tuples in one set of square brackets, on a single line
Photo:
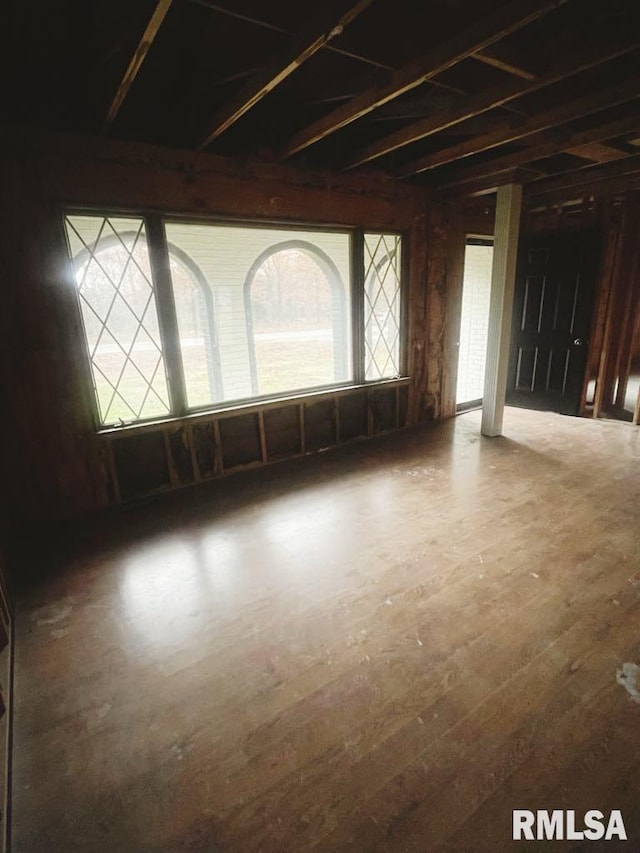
[(448, 94)]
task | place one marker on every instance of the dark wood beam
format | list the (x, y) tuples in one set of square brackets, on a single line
[(490, 183), (276, 28), (135, 63), (561, 140), (303, 46), (490, 29), (602, 187), (497, 57), (466, 108), (240, 16), (597, 152), (331, 48), (587, 175), (627, 90)]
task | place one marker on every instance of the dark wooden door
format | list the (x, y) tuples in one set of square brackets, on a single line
[(552, 309)]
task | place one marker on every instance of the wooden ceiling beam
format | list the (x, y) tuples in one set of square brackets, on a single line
[(466, 108), (537, 191), (276, 28), (302, 47), (597, 152), (497, 58), (627, 90), (562, 140), (602, 187), (572, 181), (240, 16), (481, 34), (140, 54), (490, 183)]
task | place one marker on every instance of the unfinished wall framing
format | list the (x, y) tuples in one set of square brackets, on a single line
[(157, 457), (59, 465)]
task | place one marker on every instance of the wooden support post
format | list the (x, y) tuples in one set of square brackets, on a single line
[(197, 475), (503, 275), (174, 478), (618, 278), (301, 424), (218, 459), (263, 437), (113, 473)]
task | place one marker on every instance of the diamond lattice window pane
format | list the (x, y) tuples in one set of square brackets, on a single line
[(382, 306), (117, 300)]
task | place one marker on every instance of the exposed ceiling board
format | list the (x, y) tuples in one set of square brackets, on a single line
[(319, 32), (539, 149), (284, 15), (398, 87), (405, 29), (590, 104), (510, 64), (510, 94), (597, 152), (447, 53), (138, 55), (586, 175)]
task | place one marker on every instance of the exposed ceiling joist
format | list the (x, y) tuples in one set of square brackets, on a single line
[(579, 178), (597, 152), (477, 37), (490, 183), (604, 186), (562, 140), (142, 49), (465, 108), (303, 46), (260, 22), (491, 121), (497, 58), (594, 102), (240, 16)]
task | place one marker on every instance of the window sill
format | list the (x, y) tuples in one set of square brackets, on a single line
[(250, 407)]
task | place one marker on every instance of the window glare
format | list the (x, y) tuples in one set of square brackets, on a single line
[(118, 306), (260, 311), (256, 312)]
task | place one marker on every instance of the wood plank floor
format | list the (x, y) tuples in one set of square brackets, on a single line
[(384, 648)]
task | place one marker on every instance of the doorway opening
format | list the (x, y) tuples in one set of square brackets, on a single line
[(474, 322)]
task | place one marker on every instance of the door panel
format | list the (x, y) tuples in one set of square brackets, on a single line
[(552, 309)]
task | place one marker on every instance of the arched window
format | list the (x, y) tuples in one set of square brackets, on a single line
[(193, 315), (193, 299), (296, 308)]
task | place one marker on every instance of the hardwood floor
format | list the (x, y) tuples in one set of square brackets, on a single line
[(384, 648)]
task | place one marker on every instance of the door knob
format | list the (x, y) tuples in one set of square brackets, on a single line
[(578, 342)]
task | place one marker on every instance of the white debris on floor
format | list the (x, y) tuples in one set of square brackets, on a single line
[(628, 678)]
